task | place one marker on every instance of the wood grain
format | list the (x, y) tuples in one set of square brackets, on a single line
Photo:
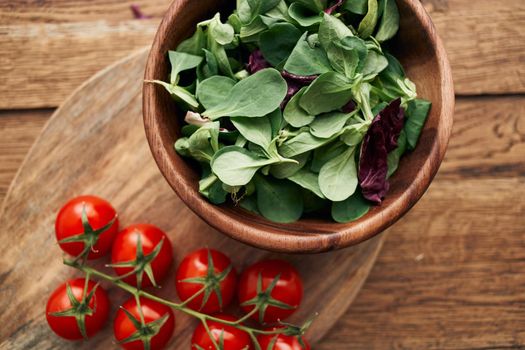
[(484, 42), (418, 48), (101, 125), (449, 275)]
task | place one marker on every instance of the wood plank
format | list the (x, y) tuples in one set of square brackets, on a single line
[(450, 275), (485, 43), (68, 41)]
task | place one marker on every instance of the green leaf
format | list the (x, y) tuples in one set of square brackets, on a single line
[(194, 44), (178, 93), (202, 144), (294, 114), (332, 29), (374, 64), (181, 61), (368, 23), (285, 170), (354, 133), (356, 6), (222, 33), (330, 91), (262, 6), (306, 59), (250, 203), (212, 91), (278, 200), (236, 166), (277, 43), (417, 113), (344, 60), (222, 58), (351, 209), (208, 69), (325, 153), (251, 32), (338, 177), (312, 202), (276, 120), (313, 5), (389, 24), (302, 143), (308, 180), (394, 156), (256, 130), (248, 99), (359, 45), (304, 16), (328, 124)]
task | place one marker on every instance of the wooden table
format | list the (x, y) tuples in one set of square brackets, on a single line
[(452, 272)]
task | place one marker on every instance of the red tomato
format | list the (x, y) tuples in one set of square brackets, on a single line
[(67, 326), (288, 290), (153, 313), (283, 342), (125, 253), (196, 265), (99, 214), (233, 338)]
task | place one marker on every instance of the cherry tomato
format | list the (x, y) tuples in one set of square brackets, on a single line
[(99, 235), (288, 290), (233, 338), (125, 254), (155, 315), (67, 326), (215, 278), (282, 342)]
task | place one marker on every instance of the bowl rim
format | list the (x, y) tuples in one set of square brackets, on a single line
[(306, 242)]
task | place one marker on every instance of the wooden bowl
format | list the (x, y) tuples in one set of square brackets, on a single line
[(420, 50)]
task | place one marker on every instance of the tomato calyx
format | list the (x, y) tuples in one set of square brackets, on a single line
[(89, 237), (296, 331), (211, 283), (79, 309), (144, 331), (141, 264), (264, 298)]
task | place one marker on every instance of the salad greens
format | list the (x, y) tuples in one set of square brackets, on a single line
[(296, 106)]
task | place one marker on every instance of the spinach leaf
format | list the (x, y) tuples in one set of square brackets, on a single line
[(344, 60), (368, 23), (211, 188), (358, 7), (202, 144), (250, 203), (306, 59), (285, 170), (277, 43), (394, 156), (354, 133), (374, 64), (308, 180), (278, 200), (313, 5), (351, 209), (262, 6), (221, 57), (417, 113), (389, 24), (332, 29), (327, 125), (338, 177), (302, 143), (236, 166), (208, 69), (256, 130), (222, 33), (251, 32), (304, 16), (329, 92), (294, 114), (179, 94), (255, 96), (214, 90), (194, 44), (181, 61), (325, 153), (276, 121)]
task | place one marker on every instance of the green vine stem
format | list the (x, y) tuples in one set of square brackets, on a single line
[(182, 307)]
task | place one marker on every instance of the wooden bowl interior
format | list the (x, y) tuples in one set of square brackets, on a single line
[(418, 48)]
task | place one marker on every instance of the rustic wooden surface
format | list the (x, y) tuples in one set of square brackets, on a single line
[(101, 124), (450, 275)]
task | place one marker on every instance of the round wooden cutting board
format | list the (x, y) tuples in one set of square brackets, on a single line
[(95, 144)]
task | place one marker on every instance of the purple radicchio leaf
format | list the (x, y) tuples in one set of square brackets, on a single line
[(256, 62), (334, 7), (295, 83), (380, 139), (349, 107), (137, 12)]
